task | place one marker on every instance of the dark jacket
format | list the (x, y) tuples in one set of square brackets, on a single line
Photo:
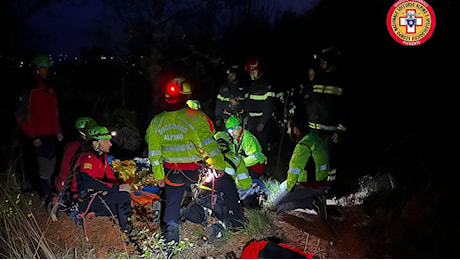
[(230, 90), (327, 105), (260, 101)]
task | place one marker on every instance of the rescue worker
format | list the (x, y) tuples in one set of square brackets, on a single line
[(260, 102), (82, 124), (248, 190), (94, 177), (39, 121), (248, 146), (234, 164), (180, 139), (230, 98), (306, 181), (65, 177), (327, 105), (221, 196)]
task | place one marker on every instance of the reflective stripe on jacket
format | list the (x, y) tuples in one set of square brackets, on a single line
[(235, 167), (260, 102), (310, 149)]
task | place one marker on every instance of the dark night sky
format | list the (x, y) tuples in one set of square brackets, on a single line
[(66, 28)]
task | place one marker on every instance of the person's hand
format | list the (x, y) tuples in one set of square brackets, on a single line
[(161, 183), (234, 102), (37, 142), (335, 138), (331, 177), (260, 127), (283, 186), (124, 187), (60, 137)]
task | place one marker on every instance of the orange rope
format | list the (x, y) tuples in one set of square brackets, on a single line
[(82, 215)]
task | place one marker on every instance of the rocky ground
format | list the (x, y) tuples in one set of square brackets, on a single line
[(335, 238), (406, 210)]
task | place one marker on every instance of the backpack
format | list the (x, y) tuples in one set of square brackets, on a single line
[(196, 211), (260, 249)]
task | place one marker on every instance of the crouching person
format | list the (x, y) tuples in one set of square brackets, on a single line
[(249, 190), (305, 185), (97, 187), (219, 197), (216, 205)]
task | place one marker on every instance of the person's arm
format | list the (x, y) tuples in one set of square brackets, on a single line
[(252, 149), (205, 131), (269, 106), (154, 151), (297, 163)]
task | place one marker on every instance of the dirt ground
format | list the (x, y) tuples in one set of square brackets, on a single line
[(336, 238)]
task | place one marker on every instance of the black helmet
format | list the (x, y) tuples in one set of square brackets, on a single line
[(232, 69)]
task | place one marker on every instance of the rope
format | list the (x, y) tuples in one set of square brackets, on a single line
[(212, 195), (82, 215)]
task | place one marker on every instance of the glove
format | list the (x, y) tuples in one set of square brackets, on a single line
[(124, 187), (209, 161), (193, 104), (331, 175), (283, 186)]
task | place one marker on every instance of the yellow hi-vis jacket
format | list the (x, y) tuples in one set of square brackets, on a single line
[(235, 167), (250, 148), (182, 136), (309, 161)]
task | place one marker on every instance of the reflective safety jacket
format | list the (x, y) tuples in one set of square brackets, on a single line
[(309, 164), (260, 102), (327, 103), (235, 167), (182, 137), (230, 90), (249, 147)]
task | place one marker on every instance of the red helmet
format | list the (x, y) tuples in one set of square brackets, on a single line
[(175, 87), (253, 64)]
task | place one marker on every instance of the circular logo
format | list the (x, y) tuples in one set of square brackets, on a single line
[(411, 22)]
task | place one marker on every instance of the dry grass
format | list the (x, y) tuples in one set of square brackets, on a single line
[(20, 234), (22, 237)]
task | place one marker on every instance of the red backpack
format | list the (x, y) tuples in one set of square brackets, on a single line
[(265, 249)]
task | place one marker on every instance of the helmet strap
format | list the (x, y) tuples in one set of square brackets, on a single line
[(96, 147)]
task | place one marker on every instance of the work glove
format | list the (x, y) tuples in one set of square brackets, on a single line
[(283, 186), (331, 175), (124, 187)]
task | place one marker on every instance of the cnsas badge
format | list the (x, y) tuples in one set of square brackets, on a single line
[(411, 22)]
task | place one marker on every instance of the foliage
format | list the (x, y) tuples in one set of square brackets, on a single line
[(153, 245), (20, 234), (258, 222), (273, 188)]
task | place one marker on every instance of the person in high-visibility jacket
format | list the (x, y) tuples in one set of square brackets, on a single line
[(306, 181), (260, 103), (327, 103), (234, 164), (179, 140), (247, 145), (230, 98)]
